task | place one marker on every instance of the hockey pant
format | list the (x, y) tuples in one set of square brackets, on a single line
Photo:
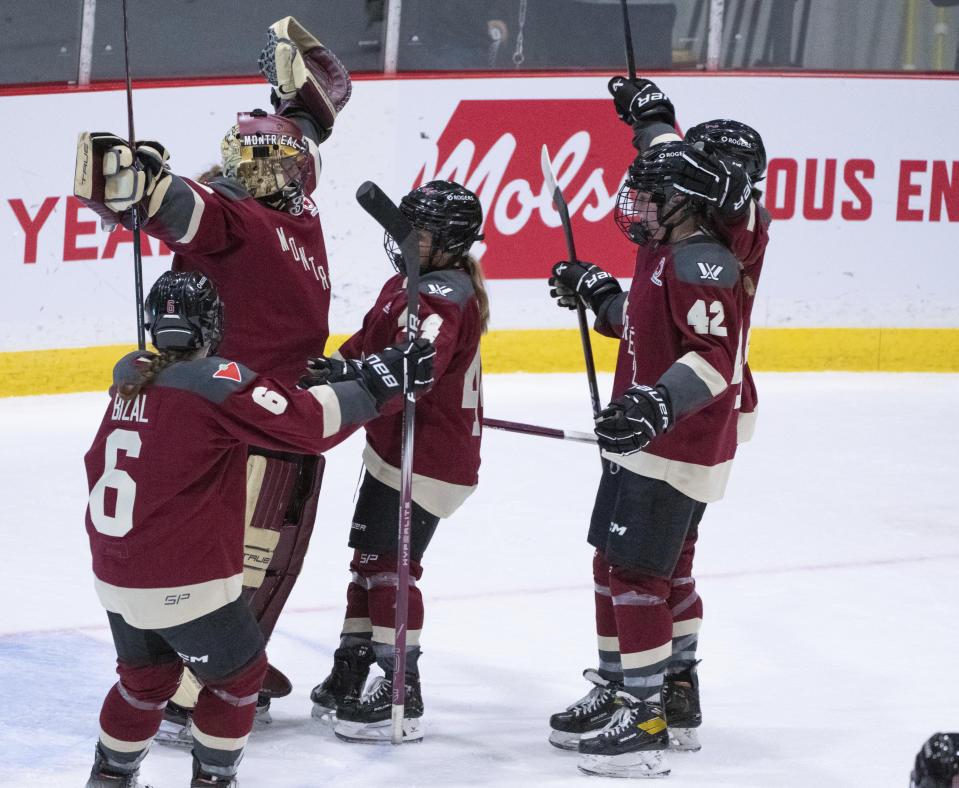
[(646, 626), (282, 490), (149, 664), (371, 608)]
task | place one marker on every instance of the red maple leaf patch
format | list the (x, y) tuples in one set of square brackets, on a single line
[(229, 371)]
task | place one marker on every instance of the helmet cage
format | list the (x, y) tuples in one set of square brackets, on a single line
[(648, 206), (450, 213), (184, 312), (268, 155)]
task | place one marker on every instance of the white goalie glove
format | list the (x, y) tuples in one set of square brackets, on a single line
[(303, 71), (111, 179)]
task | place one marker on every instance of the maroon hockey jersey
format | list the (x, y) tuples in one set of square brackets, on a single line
[(681, 325), (269, 267), (748, 242), (446, 452), (166, 473)]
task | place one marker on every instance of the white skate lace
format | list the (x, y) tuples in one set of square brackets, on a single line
[(622, 719), (379, 687), (591, 701)]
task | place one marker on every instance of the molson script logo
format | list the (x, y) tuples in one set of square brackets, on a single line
[(493, 148)]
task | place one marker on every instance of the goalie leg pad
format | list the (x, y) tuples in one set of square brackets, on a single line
[(282, 493)]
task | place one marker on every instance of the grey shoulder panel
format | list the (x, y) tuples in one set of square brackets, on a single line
[(228, 188), (704, 261), (127, 369), (451, 284), (212, 378)]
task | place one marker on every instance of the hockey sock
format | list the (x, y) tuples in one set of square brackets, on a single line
[(686, 607), (644, 625), (610, 665), (223, 717), (133, 708)]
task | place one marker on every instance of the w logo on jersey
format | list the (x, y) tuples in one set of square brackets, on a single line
[(439, 290), (711, 272)]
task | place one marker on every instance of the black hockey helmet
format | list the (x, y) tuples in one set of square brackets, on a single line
[(450, 212), (649, 206), (184, 312), (734, 139), (937, 764)]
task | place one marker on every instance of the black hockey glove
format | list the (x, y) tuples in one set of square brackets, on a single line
[(322, 370), (589, 282), (720, 181), (381, 374), (639, 101), (628, 425)]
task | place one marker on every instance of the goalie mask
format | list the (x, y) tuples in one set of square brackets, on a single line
[(184, 312), (649, 207), (731, 138), (270, 157), (453, 216)]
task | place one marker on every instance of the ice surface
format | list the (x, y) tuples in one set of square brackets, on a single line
[(829, 576)]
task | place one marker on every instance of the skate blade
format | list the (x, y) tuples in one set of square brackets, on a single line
[(323, 714), (644, 763), (564, 740), (684, 740), (377, 732), (262, 719), (173, 735)]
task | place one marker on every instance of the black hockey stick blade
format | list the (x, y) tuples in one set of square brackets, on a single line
[(558, 201), (630, 57), (374, 201)]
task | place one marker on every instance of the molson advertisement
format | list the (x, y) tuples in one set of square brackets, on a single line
[(860, 272)]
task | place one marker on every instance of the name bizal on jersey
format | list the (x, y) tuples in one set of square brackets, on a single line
[(130, 409)]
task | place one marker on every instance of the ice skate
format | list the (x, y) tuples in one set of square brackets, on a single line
[(176, 728), (204, 779), (368, 720), (351, 666), (634, 744), (103, 776), (682, 710), (587, 716)]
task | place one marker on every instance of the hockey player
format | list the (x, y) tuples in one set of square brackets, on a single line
[(668, 439), (453, 311), (648, 111), (646, 108), (252, 226), (165, 519)]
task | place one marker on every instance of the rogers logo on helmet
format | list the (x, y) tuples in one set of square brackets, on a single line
[(493, 149)]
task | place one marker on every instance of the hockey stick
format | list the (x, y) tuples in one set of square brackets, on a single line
[(560, 202), (532, 429), (630, 58), (137, 257), (384, 210)]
